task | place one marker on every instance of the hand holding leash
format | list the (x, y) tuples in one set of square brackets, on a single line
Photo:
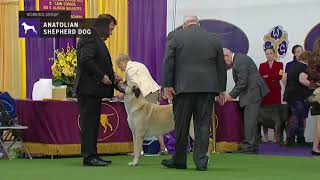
[(117, 77), (105, 80)]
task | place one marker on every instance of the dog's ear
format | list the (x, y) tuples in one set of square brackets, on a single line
[(136, 91)]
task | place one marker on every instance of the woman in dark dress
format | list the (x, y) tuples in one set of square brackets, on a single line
[(296, 91), (296, 51)]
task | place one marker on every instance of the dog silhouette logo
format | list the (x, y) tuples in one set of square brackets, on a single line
[(104, 122), (109, 122), (27, 27)]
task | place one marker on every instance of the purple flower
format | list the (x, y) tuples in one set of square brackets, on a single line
[(276, 33), (283, 47), (268, 44)]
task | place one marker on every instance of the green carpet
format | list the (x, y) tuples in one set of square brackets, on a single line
[(222, 166)]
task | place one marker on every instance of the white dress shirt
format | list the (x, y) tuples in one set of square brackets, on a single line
[(137, 73)]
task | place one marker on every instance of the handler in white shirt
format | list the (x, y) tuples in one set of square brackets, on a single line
[(138, 73)]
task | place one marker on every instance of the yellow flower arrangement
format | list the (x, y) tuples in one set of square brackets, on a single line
[(64, 66)]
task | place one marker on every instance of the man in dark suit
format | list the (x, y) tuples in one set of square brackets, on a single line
[(194, 73), (250, 88), (95, 80)]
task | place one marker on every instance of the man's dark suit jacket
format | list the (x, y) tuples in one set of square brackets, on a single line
[(250, 87), (194, 62), (94, 61)]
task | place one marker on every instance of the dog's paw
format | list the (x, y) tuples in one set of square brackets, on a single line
[(132, 163)]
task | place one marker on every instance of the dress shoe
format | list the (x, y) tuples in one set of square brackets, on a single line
[(106, 161), (291, 142), (301, 142), (315, 153), (171, 164), (93, 162), (204, 168)]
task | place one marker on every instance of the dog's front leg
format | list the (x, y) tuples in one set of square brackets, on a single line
[(138, 142)]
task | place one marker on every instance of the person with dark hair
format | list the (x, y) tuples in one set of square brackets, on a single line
[(271, 71), (95, 80), (296, 91), (296, 51), (110, 17)]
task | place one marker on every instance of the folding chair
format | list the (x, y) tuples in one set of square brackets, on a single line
[(14, 132)]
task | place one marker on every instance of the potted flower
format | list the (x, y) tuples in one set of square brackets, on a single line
[(64, 68)]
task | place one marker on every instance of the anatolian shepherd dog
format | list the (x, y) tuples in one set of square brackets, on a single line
[(146, 119)]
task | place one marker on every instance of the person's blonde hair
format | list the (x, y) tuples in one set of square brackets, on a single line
[(122, 58)]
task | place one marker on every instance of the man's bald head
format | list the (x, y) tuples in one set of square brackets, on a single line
[(190, 20), (228, 57), (227, 51)]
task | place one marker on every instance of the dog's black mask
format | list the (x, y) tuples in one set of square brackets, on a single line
[(121, 87), (136, 91)]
